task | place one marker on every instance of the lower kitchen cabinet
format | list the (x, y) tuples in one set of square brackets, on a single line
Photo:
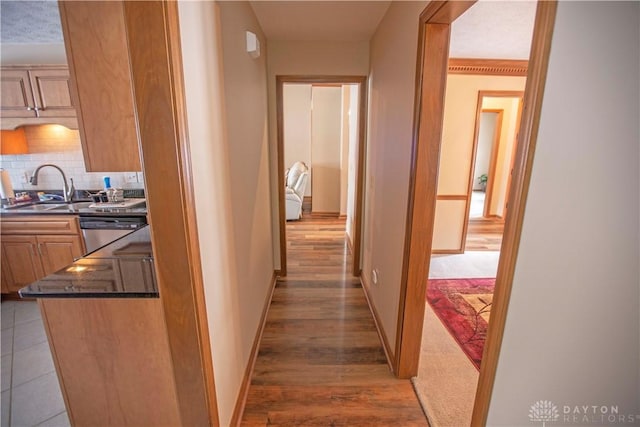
[(28, 257), (21, 262), (58, 251)]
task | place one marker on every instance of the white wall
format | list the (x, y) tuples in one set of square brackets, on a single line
[(486, 135), (326, 132), (297, 126), (226, 98), (354, 103), (344, 148), (306, 58), (506, 146), (573, 330), (37, 53), (61, 146), (390, 122)]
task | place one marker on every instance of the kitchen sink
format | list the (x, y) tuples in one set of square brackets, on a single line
[(74, 206)]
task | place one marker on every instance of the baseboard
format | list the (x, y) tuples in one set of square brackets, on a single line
[(447, 251), (376, 319), (325, 214), (246, 381)]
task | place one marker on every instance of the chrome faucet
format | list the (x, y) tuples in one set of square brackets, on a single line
[(68, 190)]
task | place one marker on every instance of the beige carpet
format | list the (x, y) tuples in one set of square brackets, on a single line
[(446, 382)]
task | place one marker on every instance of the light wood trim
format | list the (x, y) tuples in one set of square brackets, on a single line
[(112, 360), (358, 219), (361, 81), (513, 159), (534, 92), (488, 67), (388, 351), (156, 66), (421, 212), (449, 11), (447, 251), (253, 356), (40, 224), (451, 197), (493, 160), (100, 83), (280, 158)]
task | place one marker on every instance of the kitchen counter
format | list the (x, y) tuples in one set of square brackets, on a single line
[(75, 208), (121, 269)]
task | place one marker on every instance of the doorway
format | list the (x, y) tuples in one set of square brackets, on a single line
[(430, 90), (496, 127), (349, 173)]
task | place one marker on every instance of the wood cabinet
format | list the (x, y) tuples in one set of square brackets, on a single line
[(97, 53), (28, 256), (32, 95)]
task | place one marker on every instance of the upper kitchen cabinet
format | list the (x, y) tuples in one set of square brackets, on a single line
[(101, 88), (36, 95)]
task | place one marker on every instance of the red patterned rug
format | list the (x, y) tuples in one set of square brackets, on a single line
[(463, 306)]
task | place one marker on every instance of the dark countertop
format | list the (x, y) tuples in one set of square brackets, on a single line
[(121, 269), (80, 207)]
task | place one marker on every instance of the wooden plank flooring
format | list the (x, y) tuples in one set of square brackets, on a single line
[(484, 234), (320, 361)]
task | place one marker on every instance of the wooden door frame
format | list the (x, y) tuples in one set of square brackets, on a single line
[(433, 49), (494, 149), (361, 81), (153, 38)]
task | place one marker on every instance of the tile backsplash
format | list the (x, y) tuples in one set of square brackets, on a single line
[(60, 146)]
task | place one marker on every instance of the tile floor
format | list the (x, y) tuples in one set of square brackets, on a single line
[(31, 393)]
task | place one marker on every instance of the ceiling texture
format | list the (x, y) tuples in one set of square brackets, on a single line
[(29, 22), (490, 29), (319, 20)]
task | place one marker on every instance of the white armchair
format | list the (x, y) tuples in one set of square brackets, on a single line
[(296, 183)]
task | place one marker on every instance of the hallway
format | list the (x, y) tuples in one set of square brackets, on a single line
[(320, 360)]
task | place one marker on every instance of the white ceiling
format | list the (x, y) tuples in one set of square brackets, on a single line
[(25, 22), (490, 29), (494, 29), (319, 20)]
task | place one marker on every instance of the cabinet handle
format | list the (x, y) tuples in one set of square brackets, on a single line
[(40, 248)]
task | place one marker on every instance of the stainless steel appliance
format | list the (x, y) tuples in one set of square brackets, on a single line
[(102, 230)]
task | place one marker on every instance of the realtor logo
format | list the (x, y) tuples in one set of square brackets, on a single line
[(543, 411)]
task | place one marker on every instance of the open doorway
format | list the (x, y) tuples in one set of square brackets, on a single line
[(422, 218), (497, 124), (320, 150)]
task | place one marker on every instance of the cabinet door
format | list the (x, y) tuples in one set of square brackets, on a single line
[(16, 97), (98, 57), (58, 251), (135, 274), (52, 92), (20, 261)]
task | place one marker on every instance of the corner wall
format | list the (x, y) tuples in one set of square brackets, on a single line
[(390, 131), (226, 100), (572, 334)]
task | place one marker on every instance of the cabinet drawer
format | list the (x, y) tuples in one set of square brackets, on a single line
[(40, 225)]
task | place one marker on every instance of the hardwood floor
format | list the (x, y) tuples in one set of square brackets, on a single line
[(320, 361), (484, 234)]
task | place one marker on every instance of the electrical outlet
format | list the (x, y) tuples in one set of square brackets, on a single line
[(130, 177), (24, 178), (140, 177), (374, 276)]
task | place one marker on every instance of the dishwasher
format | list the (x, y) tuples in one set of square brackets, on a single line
[(102, 230)]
